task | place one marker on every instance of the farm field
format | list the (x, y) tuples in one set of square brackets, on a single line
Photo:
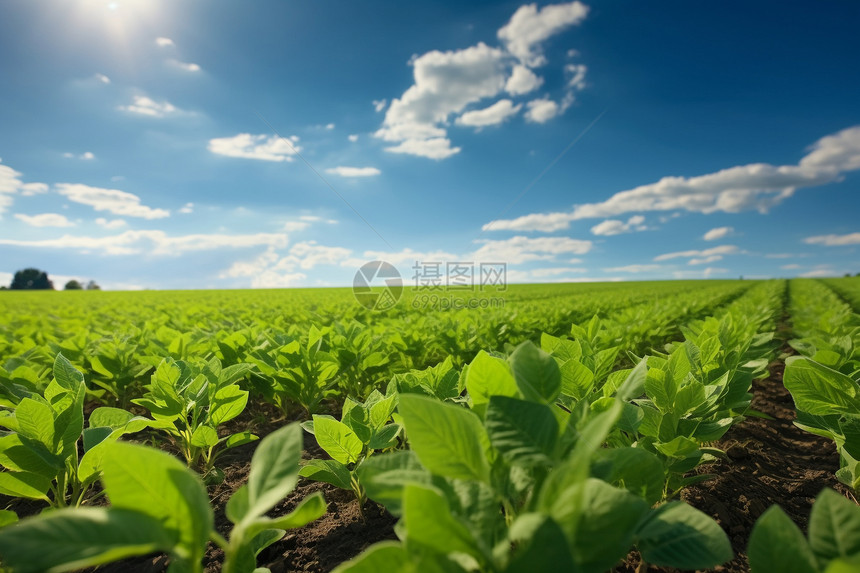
[(569, 427)]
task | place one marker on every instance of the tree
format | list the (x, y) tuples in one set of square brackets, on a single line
[(31, 279), (73, 285), (93, 286)]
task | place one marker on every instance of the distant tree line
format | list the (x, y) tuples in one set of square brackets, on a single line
[(35, 279)]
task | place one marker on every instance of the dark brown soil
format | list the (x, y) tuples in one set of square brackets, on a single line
[(769, 462)]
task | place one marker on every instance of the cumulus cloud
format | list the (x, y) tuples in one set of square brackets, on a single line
[(521, 249), (86, 156), (296, 226), (576, 73), (143, 105), (110, 224), (111, 200), (546, 222), (11, 184), (102, 78), (718, 233), (819, 273), (542, 110), (187, 209), (530, 27), (757, 186), (153, 242), (447, 83), (352, 137), (45, 220), (492, 115), (353, 171), (163, 42), (555, 271), (262, 147), (379, 104), (616, 227), (834, 240), (522, 81), (693, 254)]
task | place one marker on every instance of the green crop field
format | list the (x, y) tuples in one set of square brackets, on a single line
[(561, 428)]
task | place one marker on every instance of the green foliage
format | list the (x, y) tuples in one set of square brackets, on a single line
[(41, 451), (362, 430), (158, 505), (190, 401), (832, 545)]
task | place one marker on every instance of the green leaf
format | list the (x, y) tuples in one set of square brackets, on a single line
[(69, 540), (525, 433), (238, 439), (7, 517), (576, 379), (449, 440), (310, 508), (385, 476), (204, 437), (157, 484), (338, 440), (638, 471), (229, 402), (237, 506), (599, 522), (819, 390), (110, 418), (541, 546), (429, 523), (66, 375), (489, 376), (536, 373), (24, 484), (777, 544), (385, 437), (834, 527), (328, 471), (274, 469), (36, 422), (678, 535)]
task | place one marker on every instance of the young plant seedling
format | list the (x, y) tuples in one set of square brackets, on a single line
[(362, 430)]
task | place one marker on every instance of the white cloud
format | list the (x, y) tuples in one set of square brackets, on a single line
[(153, 242), (817, 273), (111, 200), (834, 240), (546, 222), (272, 279), (522, 81), (542, 110), (86, 156), (329, 126), (296, 226), (352, 137), (309, 254), (705, 260), (6, 279), (353, 171), (790, 267), (11, 184), (187, 209), (529, 27), (703, 274), (379, 104), (164, 42), (433, 148), (634, 269), (110, 224), (184, 66), (755, 186), (492, 115), (263, 147), (718, 233), (144, 105), (102, 78), (523, 249), (45, 220), (616, 227), (445, 83), (577, 75), (715, 251)]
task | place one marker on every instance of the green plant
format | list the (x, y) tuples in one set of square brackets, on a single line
[(831, 546), (506, 486), (40, 453), (362, 430), (158, 505), (190, 401)]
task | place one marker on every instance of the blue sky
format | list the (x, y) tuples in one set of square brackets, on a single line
[(227, 144)]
